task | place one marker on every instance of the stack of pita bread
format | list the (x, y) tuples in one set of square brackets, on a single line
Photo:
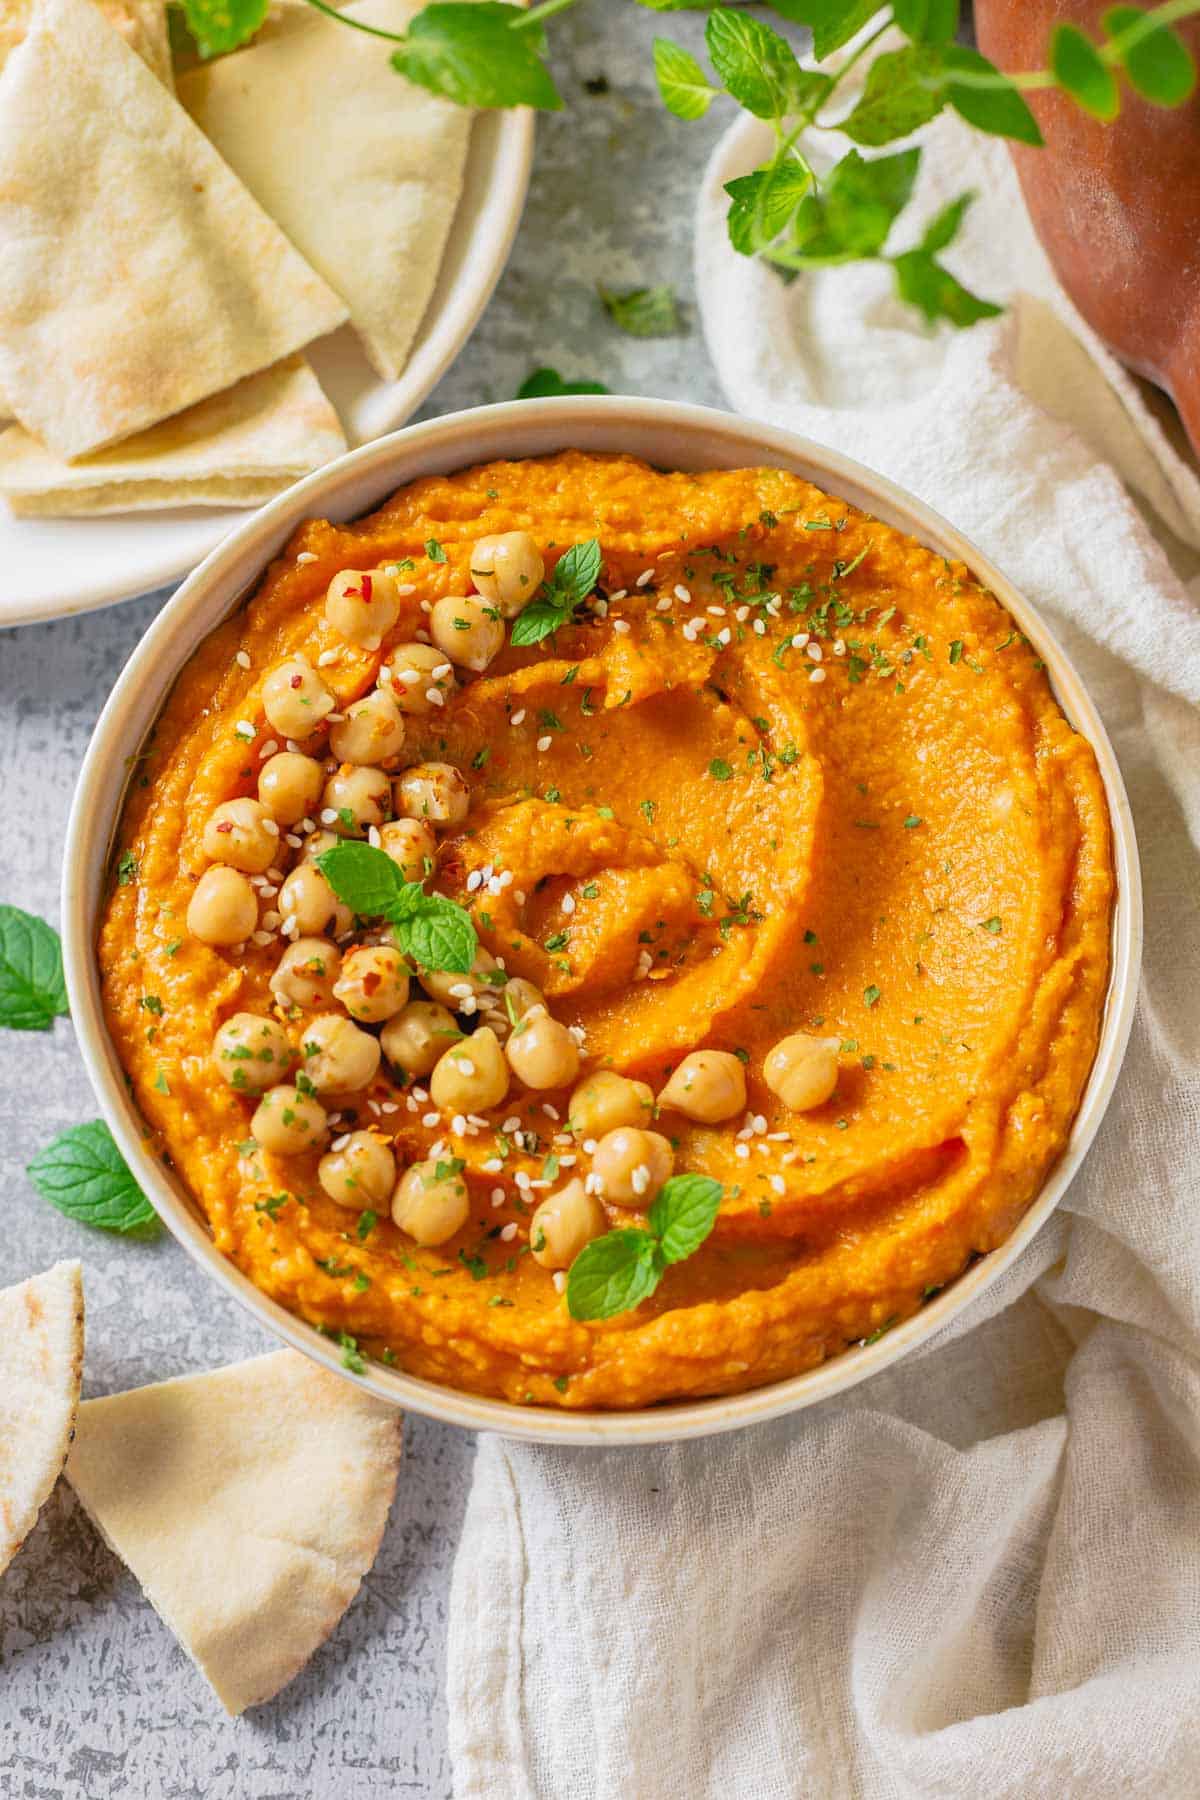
[(166, 255), (249, 1502)]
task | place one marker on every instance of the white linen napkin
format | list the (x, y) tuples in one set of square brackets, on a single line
[(980, 1571)]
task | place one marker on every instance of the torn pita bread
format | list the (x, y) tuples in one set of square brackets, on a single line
[(142, 23), (249, 1502), (41, 1362), (237, 449), (137, 275), (361, 169)]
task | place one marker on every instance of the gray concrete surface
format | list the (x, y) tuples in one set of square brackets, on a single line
[(96, 1698)]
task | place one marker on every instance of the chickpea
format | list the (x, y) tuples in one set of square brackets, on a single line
[(453, 990), (468, 629), (373, 983), (605, 1101), (411, 846), (307, 898), (295, 699), (564, 1224), (305, 974), (507, 1006), (429, 1207), (338, 1057), (508, 570), (415, 1038), (251, 1053), (223, 909), (802, 1070), (708, 1085), (371, 731), (362, 606), (415, 671), (471, 1075), (632, 1165), (433, 791), (242, 834), (360, 1174), (287, 1121), (316, 842), (360, 798), (289, 786), (541, 1052)]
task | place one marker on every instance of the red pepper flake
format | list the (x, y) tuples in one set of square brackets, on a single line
[(367, 586), (225, 825), (297, 681)]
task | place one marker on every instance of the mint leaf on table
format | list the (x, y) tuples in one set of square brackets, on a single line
[(431, 928), (85, 1176), (903, 90), (684, 1213), (1158, 63), (1001, 110), (685, 88), (643, 312), (924, 283), (481, 53), (616, 1272), (544, 384), (613, 1274), (763, 204), (1080, 71), (759, 67), (575, 575), (832, 22), (221, 25), (32, 990)]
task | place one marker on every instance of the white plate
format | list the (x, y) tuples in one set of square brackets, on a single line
[(672, 437), (54, 567)]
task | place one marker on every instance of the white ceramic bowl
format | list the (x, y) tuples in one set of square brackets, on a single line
[(672, 436)]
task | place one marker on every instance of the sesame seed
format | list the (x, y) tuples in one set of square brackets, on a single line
[(271, 921), (511, 1124), (262, 938), (592, 1184), (508, 1232), (373, 837), (435, 697), (760, 628), (778, 1184), (758, 1123), (560, 1281), (244, 729), (441, 670), (817, 675), (493, 1166), (816, 653), (327, 657), (839, 646), (619, 595), (725, 636), (683, 593), (718, 612), (458, 1124), (621, 625), (663, 606), (645, 578), (242, 659), (430, 1119), (639, 1180), (407, 587), (340, 1143), (518, 717), (296, 843), (544, 743), (568, 903), (306, 556), (268, 749), (329, 816), (270, 827), (742, 1150), (406, 677), (334, 718), (497, 1196), (474, 880)]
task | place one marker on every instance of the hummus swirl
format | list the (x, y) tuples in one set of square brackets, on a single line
[(794, 773)]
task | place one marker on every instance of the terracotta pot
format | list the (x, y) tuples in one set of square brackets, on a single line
[(1116, 206)]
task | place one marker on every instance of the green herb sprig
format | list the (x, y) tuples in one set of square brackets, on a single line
[(84, 1175), (616, 1272), (32, 990), (433, 930), (575, 575)]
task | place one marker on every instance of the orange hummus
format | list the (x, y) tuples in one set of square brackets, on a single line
[(789, 771)]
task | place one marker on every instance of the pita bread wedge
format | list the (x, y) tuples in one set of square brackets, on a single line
[(137, 275), (41, 1362), (249, 1502), (361, 169), (142, 23), (236, 449)]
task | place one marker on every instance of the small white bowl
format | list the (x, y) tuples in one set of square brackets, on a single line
[(670, 436)]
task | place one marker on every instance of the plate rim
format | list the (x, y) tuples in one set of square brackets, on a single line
[(448, 440)]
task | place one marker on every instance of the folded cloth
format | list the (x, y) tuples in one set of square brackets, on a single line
[(980, 1571)]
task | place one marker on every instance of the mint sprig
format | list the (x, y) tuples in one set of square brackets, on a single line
[(482, 53), (575, 575), (84, 1175), (616, 1272), (32, 990), (432, 929)]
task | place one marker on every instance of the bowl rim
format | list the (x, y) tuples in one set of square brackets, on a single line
[(219, 585)]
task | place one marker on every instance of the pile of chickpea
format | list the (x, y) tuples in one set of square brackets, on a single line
[(334, 993)]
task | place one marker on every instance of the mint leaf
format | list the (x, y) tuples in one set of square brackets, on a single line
[(924, 283), (763, 204), (1076, 65), (32, 990), (1158, 63), (85, 1176), (684, 1213), (685, 88), (367, 879), (1000, 110), (863, 198), (542, 384), (832, 22), (643, 312), (576, 572), (220, 25), (927, 21), (439, 935), (613, 1273), (478, 53), (540, 619), (759, 67), (902, 91)]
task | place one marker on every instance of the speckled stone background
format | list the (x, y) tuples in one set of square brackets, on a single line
[(96, 1698)]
